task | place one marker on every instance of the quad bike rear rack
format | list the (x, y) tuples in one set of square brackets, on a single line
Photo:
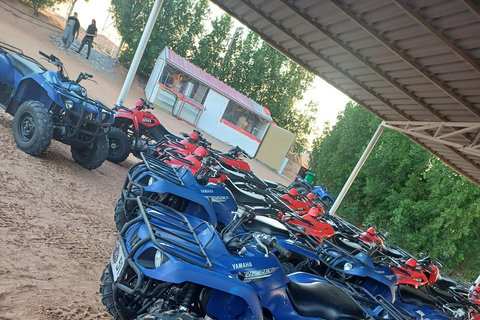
[(132, 188), (162, 169), (167, 228)]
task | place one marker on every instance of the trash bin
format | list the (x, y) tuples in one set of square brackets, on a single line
[(309, 177)]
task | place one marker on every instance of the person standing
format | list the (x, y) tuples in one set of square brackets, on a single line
[(72, 27), (88, 39)]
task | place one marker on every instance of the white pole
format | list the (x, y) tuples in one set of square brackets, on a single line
[(140, 49), (357, 168)]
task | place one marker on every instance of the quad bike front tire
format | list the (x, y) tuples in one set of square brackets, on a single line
[(91, 157), (119, 216), (118, 145), (32, 128), (106, 290), (169, 315)]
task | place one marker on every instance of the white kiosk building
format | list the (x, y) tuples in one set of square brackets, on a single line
[(196, 97)]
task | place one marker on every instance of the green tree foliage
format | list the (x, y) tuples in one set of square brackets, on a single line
[(178, 26), (402, 189), (213, 46), (302, 124), (42, 4)]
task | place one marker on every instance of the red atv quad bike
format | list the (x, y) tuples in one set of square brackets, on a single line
[(193, 161), (474, 296), (298, 203), (370, 236), (417, 274), (135, 130), (310, 213), (184, 146), (232, 159), (319, 229)]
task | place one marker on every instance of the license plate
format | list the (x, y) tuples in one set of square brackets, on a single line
[(117, 260)]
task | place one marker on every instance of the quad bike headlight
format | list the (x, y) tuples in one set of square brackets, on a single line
[(69, 104), (105, 116), (160, 258), (151, 258), (151, 181), (348, 266)]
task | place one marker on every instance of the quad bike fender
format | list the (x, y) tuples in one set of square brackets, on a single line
[(199, 198), (225, 288), (292, 247), (380, 280), (7, 76), (125, 117), (322, 193), (31, 88)]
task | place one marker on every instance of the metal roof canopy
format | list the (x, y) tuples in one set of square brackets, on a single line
[(414, 64)]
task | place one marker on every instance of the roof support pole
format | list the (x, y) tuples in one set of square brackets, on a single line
[(140, 49), (357, 168)]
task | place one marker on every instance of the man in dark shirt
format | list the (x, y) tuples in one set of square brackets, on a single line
[(88, 39)]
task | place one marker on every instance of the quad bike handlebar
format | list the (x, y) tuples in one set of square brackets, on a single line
[(52, 59), (145, 105), (240, 152), (85, 76), (119, 106)]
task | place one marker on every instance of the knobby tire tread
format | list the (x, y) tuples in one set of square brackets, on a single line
[(43, 128)]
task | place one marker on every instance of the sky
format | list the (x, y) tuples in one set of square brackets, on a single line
[(330, 100)]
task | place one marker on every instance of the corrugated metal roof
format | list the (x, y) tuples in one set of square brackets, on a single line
[(212, 82), (405, 61)]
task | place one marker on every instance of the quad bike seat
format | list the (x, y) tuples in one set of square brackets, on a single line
[(22, 65), (445, 282), (392, 252), (345, 244), (436, 292), (414, 296), (244, 197), (323, 300), (266, 225)]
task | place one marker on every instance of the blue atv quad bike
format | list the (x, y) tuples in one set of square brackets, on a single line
[(178, 190), (170, 265), (48, 105)]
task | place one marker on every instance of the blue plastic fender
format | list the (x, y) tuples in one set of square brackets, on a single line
[(8, 73)]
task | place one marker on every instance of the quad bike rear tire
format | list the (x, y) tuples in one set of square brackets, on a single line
[(91, 157), (169, 315), (118, 145), (106, 290), (32, 128)]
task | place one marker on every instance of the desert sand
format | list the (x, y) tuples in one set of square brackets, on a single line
[(56, 218)]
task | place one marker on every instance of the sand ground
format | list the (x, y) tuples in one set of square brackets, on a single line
[(56, 218)]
